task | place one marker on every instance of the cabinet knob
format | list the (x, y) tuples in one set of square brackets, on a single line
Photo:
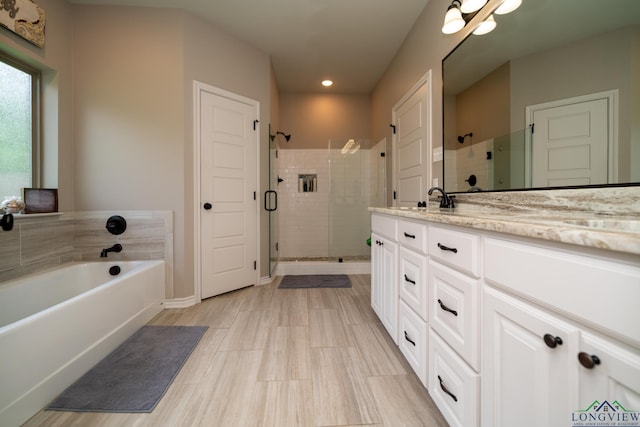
[(552, 341), (587, 360)]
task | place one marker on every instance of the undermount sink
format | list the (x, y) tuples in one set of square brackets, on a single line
[(604, 224)]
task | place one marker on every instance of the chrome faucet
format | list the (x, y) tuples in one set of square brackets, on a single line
[(446, 201), (115, 248)]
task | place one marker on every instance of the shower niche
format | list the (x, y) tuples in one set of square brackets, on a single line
[(308, 183)]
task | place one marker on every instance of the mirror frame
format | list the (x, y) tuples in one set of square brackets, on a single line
[(485, 13)]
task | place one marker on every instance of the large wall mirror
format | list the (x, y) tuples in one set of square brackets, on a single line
[(549, 99)]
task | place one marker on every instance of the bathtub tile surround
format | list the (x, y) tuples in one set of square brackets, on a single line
[(39, 242)]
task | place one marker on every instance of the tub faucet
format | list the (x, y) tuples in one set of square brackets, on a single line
[(115, 248), (446, 201)]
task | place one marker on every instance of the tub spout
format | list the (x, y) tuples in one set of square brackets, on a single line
[(115, 248)]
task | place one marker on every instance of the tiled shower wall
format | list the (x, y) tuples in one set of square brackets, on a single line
[(303, 217), (334, 221), (38, 242)]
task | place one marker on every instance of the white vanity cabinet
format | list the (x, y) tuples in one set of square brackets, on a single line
[(413, 290), (560, 333), (454, 316), (384, 277)]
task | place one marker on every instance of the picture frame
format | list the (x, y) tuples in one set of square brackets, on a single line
[(40, 200)]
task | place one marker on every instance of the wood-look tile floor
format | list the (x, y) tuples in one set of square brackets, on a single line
[(283, 357)]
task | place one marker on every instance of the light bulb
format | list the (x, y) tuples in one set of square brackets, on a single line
[(508, 6), (470, 6), (485, 26), (453, 21)]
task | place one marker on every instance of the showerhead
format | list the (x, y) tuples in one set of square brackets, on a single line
[(286, 137)]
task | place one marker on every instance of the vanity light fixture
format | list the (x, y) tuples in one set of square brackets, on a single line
[(453, 21), (485, 26), (460, 12), (470, 6), (508, 6)]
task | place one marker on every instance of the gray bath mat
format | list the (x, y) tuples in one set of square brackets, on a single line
[(135, 376), (315, 281)]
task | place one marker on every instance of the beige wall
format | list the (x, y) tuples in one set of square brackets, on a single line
[(118, 104), (424, 49), (313, 119), (135, 69)]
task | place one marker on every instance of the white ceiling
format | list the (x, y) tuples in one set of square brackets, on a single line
[(349, 41)]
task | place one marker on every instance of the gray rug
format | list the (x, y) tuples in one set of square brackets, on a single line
[(315, 281), (135, 376)]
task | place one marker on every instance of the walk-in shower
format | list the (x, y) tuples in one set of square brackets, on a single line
[(323, 199)]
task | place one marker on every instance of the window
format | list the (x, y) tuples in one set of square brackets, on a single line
[(19, 127)]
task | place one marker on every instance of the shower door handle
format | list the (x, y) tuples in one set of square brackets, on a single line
[(266, 197)]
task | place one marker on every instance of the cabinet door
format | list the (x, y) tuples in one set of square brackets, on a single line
[(526, 381), (607, 372), (384, 292)]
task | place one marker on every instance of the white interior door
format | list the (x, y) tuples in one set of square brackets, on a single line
[(228, 185), (412, 144), (571, 141)]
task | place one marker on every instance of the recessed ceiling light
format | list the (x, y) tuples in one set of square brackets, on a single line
[(327, 83)]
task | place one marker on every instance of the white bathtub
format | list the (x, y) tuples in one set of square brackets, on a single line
[(55, 325)]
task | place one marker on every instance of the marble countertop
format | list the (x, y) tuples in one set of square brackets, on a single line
[(614, 232)]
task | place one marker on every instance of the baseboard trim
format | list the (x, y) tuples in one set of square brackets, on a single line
[(322, 267), (181, 302)]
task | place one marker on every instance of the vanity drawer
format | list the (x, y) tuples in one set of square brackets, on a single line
[(413, 235), (412, 340), (454, 310), (385, 226), (453, 386), (596, 290), (457, 249), (413, 281)]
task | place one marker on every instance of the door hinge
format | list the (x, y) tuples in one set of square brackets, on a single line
[(532, 125), (255, 265), (394, 194), (382, 154), (254, 195), (276, 154), (393, 127), (277, 246), (255, 123)]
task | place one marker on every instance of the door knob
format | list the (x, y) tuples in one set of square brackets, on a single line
[(207, 206)]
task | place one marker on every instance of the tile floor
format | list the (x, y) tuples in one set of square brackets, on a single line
[(283, 357)]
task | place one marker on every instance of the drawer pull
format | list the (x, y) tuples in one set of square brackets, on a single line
[(447, 248), (406, 337), (410, 236), (552, 341), (587, 360), (453, 396), (413, 282), (445, 308)]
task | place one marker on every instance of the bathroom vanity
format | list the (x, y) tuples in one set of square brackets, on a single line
[(519, 316)]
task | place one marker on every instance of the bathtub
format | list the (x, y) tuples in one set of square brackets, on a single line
[(55, 325)]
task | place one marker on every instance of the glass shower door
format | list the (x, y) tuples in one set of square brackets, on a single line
[(271, 202)]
